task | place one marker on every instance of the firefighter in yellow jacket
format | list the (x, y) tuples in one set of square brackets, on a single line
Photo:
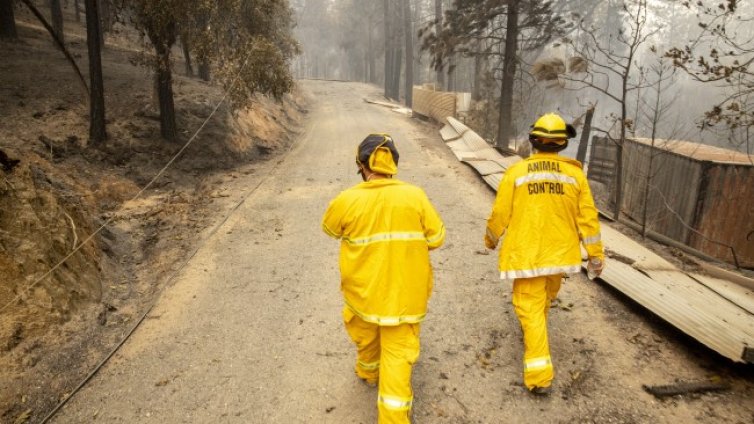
[(387, 228), (543, 210)]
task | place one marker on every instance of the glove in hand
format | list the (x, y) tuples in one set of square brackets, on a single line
[(488, 243)]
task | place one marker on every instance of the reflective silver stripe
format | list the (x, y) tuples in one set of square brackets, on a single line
[(329, 232), (437, 236), (395, 403), (376, 238), (593, 239), (537, 364), (369, 366), (539, 176), (538, 272), (387, 321)]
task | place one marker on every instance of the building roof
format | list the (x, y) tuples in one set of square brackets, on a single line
[(700, 151)]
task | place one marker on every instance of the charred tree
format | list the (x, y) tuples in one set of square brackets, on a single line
[(77, 9), (164, 75), (56, 15), (160, 26), (203, 70), (584, 140), (395, 85), (371, 65), (100, 10), (187, 56), (476, 88), (504, 129), (408, 34), (396, 37), (203, 67), (388, 47), (451, 77), (7, 20), (97, 129), (106, 15), (438, 18)]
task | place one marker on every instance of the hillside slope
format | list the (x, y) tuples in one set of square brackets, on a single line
[(54, 328)]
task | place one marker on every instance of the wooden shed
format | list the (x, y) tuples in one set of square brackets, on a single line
[(699, 195)]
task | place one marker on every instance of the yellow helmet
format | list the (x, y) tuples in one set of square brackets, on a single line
[(550, 128)]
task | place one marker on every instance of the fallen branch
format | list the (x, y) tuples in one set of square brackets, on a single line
[(73, 230), (685, 387), (5, 180)]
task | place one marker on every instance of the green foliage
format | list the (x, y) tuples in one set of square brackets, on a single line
[(257, 66), (248, 42), (158, 19), (252, 40)]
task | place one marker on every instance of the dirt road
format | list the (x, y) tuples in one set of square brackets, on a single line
[(251, 333)]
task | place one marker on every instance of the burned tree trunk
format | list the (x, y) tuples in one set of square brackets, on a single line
[(476, 89), (388, 47), (106, 15), (97, 130), (168, 128), (56, 14), (408, 34), (581, 153), (187, 56), (504, 129), (101, 24), (203, 70), (438, 18), (7, 20), (370, 54), (395, 85)]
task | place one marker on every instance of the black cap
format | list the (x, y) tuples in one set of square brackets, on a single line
[(372, 142)]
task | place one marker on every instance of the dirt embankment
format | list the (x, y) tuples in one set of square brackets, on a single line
[(56, 191)]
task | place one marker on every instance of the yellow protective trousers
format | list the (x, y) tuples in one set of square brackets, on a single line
[(531, 300), (386, 354)]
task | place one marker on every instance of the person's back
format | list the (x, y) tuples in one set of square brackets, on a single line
[(385, 242), (542, 237), (386, 228)]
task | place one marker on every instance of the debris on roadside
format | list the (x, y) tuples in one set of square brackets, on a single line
[(686, 387)]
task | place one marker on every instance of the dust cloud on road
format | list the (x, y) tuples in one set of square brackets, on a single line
[(251, 331)]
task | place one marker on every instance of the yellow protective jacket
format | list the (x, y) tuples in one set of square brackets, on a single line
[(386, 228), (544, 208)]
